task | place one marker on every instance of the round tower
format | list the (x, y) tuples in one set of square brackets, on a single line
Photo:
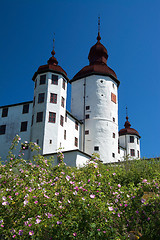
[(49, 106), (95, 102), (129, 139)]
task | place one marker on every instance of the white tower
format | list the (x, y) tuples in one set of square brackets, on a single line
[(129, 139), (95, 102), (49, 106)]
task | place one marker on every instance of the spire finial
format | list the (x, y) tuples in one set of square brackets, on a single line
[(98, 37), (53, 51), (126, 113)]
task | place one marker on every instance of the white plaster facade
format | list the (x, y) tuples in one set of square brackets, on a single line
[(92, 125)]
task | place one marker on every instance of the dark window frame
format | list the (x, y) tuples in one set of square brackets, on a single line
[(132, 152), (2, 129), (25, 108), (5, 112), (62, 101), (41, 97), (131, 139), (42, 79), (54, 79), (53, 98), (96, 148), (52, 117), (76, 142), (61, 120), (64, 84), (39, 117), (24, 126)]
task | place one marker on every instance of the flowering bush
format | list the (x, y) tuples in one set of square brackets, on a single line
[(42, 201)]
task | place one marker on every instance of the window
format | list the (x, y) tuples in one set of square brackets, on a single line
[(37, 141), (25, 108), (76, 125), (50, 141), (87, 107), (113, 85), (86, 132), (4, 112), (23, 126), (137, 153), (131, 139), (62, 102), (132, 152), (2, 129), (66, 117), (76, 142), (113, 119), (54, 79), (39, 117), (96, 148), (53, 98), (34, 101), (32, 120), (63, 84), (118, 149), (113, 98), (114, 135), (113, 155), (61, 120), (137, 141), (42, 79), (40, 97), (52, 117), (64, 134), (87, 116)]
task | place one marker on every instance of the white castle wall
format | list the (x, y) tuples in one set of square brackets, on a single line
[(13, 127), (102, 110)]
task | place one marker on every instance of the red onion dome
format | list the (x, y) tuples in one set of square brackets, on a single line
[(98, 56), (128, 130), (51, 66)]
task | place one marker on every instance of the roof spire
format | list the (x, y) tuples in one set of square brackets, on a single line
[(98, 37), (126, 113), (53, 51)]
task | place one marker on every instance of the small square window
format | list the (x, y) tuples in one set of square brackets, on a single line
[(24, 126), (87, 116), (40, 97), (64, 134), (5, 112), (52, 117), (76, 125), (86, 132), (76, 142), (53, 98), (32, 120), (42, 79), (39, 117), (2, 129), (113, 119), (64, 84), (61, 120), (87, 107), (25, 108), (113, 155), (50, 141), (114, 135), (62, 102), (54, 79), (96, 148), (131, 139), (66, 117), (132, 152)]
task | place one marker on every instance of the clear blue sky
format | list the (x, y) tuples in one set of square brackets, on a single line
[(130, 31)]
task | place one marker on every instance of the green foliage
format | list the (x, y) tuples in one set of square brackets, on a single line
[(42, 201)]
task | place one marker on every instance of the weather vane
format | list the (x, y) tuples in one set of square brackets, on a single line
[(99, 23), (54, 41)]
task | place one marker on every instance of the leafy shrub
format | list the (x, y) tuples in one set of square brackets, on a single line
[(42, 201)]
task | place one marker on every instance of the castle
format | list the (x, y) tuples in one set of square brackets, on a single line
[(92, 125)]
